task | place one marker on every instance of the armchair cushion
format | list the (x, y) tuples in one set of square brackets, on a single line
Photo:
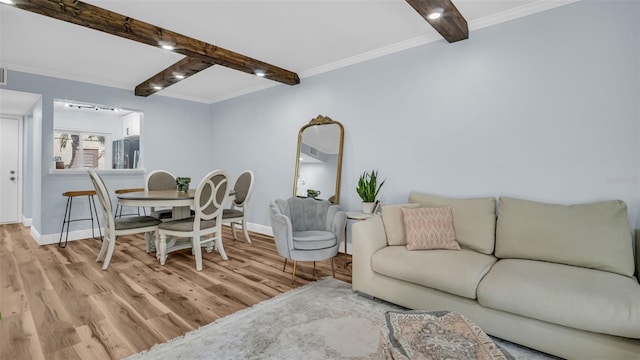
[(313, 239)]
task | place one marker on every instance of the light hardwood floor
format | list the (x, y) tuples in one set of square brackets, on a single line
[(59, 304)]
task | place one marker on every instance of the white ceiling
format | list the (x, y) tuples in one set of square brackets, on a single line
[(308, 37)]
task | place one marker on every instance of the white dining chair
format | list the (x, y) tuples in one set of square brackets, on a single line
[(237, 214), (160, 180), (209, 200), (116, 227)]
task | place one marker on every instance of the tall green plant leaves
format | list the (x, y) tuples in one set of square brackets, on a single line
[(368, 187)]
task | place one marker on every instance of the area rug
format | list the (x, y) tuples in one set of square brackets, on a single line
[(322, 320)]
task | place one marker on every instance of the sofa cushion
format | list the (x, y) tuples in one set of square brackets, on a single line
[(586, 299), (474, 220), (455, 272), (595, 235), (394, 223), (430, 229)]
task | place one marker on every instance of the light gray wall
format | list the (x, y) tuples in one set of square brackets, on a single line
[(174, 137), (544, 108)]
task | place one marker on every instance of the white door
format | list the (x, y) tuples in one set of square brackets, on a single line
[(9, 154)]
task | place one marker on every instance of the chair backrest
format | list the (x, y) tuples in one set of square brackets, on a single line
[(306, 213), (160, 180), (211, 195), (243, 188), (105, 201)]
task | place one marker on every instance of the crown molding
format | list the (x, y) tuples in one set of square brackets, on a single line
[(516, 13), (522, 11)]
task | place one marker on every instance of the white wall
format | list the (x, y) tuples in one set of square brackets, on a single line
[(544, 108)]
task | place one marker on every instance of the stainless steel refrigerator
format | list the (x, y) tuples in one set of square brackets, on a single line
[(126, 152)]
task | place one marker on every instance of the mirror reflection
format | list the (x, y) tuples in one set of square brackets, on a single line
[(319, 160), (95, 136)]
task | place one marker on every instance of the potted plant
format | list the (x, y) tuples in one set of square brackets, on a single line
[(183, 183), (368, 189)]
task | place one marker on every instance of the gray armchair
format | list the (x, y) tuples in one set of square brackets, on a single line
[(305, 229)]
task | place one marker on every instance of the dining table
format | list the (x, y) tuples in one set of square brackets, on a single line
[(180, 202)]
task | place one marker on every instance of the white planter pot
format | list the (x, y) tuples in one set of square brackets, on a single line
[(367, 207)]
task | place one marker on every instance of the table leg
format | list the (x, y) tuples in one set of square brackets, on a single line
[(162, 254), (181, 212)]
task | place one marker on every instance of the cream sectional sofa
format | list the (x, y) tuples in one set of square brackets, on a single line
[(556, 278)]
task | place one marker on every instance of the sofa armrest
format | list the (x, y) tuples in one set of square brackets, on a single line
[(368, 237)]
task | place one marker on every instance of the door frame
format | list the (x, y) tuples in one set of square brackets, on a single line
[(20, 167)]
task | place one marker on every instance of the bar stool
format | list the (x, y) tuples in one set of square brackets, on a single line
[(118, 214), (67, 214)]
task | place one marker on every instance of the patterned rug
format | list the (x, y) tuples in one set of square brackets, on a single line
[(322, 320), (417, 334)]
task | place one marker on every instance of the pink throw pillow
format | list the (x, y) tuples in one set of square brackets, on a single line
[(430, 228)]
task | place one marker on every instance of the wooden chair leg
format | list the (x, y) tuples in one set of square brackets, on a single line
[(285, 264), (333, 270)]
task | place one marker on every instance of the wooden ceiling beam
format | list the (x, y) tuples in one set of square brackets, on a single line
[(171, 75), (451, 24), (93, 17)]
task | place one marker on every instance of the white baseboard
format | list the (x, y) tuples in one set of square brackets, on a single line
[(262, 229), (73, 235), (27, 222), (35, 234)]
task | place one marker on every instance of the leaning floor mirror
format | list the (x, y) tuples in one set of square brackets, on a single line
[(319, 160)]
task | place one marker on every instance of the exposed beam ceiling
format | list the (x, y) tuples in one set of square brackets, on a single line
[(200, 55), (451, 24), (294, 35)]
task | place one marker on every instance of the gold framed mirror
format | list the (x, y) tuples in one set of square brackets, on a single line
[(319, 160)]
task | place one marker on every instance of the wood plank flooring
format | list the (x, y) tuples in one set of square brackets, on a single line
[(59, 304)]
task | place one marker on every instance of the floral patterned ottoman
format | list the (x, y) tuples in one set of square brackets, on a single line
[(435, 335)]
